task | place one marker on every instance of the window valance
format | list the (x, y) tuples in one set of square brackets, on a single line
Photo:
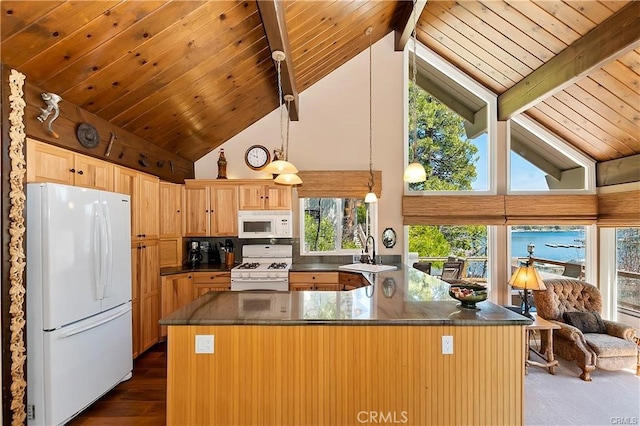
[(338, 183)]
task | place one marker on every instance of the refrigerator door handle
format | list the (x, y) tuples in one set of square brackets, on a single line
[(96, 257), (88, 327), (108, 252)]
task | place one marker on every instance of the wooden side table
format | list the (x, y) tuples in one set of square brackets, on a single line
[(546, 336)]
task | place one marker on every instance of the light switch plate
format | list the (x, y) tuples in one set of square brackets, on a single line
[(204, 343)]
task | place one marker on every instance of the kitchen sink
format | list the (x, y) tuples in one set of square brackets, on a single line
[(366, 267)]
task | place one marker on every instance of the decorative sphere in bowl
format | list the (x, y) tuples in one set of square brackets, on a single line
[(468, 294)]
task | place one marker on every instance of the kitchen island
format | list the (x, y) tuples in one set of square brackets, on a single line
[(371, 355)]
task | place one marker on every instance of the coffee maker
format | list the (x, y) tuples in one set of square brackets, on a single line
[(194, 257)]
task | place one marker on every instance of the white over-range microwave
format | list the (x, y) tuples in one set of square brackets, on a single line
[(265, 224)]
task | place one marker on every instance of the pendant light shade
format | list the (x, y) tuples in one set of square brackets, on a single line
[(288, 179), (280, 167), (370, 198), (415, 171)]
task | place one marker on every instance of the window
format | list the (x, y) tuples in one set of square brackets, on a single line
[(331, 226), (558, 250), (465, 244), (628, 275)]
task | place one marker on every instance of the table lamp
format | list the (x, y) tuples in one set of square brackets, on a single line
[(527, 278)]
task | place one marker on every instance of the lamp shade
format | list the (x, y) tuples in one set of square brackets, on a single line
[(288, 179), (527, 277), (280, 167), (371, 197), (414, 173)]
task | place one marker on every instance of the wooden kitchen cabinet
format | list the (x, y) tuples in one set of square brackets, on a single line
[(211, 208), (48, 163), (176, 291), (204, 282), (264, 196), (147, 287), (351, 280), (317, 281), (144, 190), (170, 210)]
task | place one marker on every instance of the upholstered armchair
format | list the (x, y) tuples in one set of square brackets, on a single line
[(583, 336)]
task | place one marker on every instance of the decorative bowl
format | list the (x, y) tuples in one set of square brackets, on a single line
[(468, 294)]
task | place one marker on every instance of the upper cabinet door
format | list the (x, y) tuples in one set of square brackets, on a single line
[(278, 197), (170, 210), (148, 202), (124, 182), (196, 204), (93, 173), (252, 197), (224, 210), (47, 163)]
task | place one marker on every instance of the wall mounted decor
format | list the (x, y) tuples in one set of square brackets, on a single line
[(389, 237), (51, 100)]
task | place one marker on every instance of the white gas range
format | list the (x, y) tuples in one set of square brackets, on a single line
[(263, 267)]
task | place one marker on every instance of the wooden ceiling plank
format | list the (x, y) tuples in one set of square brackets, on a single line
[(341, 47), (407, 20), (605, 95), (18, 14), (594, 10), (169, 56), (570, 24), (571, 132), (328, 40), (275, 27), (605, 116), (143, 31), (592, 123), (80, 43), (50, 29), (615, 36), (207, 95), (632, 61), (620, 90), (627, 70), (508, 56), (614, 5), (501, 60), (522, 30), (240, 59), (547, 28)]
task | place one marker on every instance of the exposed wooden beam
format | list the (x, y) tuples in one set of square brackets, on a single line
[(275, 28), (621, 170), (613, 38), (405, 24)]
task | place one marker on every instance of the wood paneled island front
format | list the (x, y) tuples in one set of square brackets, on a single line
[(367, 356)]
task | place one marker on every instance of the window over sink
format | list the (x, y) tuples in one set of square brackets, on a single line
[(336, 226)]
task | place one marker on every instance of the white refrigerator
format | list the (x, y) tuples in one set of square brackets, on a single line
[(78, 298)]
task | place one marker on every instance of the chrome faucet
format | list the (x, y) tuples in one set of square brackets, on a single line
[(372, 260)]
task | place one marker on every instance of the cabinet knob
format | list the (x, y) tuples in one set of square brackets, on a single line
[(72, 170), (177, 211), (80, 172)]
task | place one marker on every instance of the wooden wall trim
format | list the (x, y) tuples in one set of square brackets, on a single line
[(619, 209), (127, 149), (338, 183)]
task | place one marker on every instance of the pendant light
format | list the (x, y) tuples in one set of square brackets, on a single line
[(415, 171), (288, 178), (282, 166), (371, 196)]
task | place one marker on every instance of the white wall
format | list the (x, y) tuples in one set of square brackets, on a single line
[(333, 131)]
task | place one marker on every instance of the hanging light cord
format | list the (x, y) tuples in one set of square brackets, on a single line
[(414, 95), (371, 182), (286, 145), (281, 111)]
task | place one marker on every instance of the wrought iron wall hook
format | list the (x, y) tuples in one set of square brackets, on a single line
[(51, 101)]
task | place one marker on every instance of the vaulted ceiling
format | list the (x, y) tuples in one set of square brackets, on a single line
[(189, 75)]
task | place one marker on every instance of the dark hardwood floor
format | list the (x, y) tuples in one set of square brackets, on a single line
[(138, 401)]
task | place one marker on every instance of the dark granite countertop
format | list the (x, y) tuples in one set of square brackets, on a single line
[(203, 267), (405, 296)]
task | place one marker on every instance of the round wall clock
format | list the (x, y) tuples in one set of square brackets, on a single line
[(257, 157)]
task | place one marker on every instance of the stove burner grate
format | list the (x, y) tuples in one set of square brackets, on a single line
[(278, 265), (252, 265)]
